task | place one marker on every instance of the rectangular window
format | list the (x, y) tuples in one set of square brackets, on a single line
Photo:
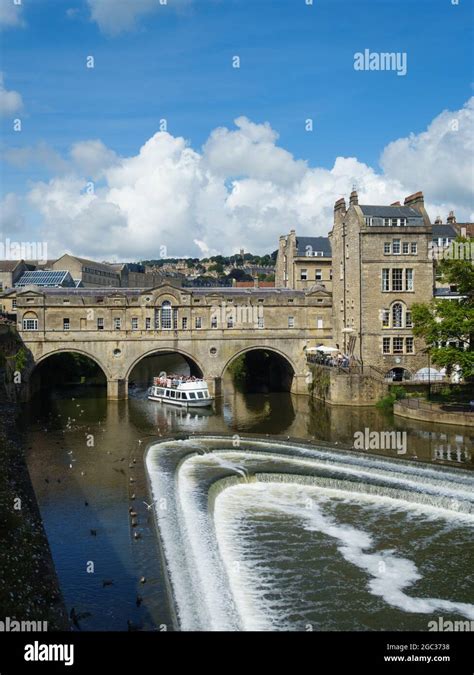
[(100, 323), (398, 345), (319, 322), (261, 322), (385, 280), (406, 247), (14, 304), (387, 247), (409, 279), (403, 221), (396, 246), (397, 280), (409, 345), (198, 322), (385, 318), (134, 323), (213, 321), (147, 323), (386, 222), (394, 222), (408, 320), (117, 323), (30, 324), (66, 324), (291, 322), (230, 322), (184, 322), (304, 275), (318, 275), (414, 248), (386, 345)]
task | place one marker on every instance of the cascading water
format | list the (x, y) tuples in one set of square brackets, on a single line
[(277, 536)]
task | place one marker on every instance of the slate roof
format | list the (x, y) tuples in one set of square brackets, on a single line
[(305, 244), (444, 230), (391, 212)]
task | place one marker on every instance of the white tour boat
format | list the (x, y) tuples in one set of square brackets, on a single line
[(191, 392)]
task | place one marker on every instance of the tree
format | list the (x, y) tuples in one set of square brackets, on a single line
[(447, 326)]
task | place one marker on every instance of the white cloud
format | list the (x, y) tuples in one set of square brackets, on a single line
[(240, 191), (440, 159), (92, 157), (10, 101), (10, 14), (115, 17)]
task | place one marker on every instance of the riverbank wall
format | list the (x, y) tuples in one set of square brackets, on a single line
[(29, 588)]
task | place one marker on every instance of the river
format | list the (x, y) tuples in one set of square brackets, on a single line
[(86, 460)]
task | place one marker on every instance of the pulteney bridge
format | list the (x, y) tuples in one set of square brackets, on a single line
[(209, 327)]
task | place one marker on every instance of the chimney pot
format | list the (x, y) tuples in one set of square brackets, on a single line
[(354, 198), (451, 218)]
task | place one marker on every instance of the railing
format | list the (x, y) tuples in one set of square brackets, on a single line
[(341, 365), (423, 404)]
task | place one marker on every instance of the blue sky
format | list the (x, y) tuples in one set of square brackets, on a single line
[(175, 63)]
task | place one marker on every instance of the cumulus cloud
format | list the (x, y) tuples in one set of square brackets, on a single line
[(10, 14), (10, 101), (240, 191), (440, 159), (115, 17)]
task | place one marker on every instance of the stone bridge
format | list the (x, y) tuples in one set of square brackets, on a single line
[(117, 328)]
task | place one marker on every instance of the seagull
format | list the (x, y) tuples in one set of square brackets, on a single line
[(149, 506)]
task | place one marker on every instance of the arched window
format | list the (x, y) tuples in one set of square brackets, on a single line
[(166, 315), (30, 321), (397, 315)]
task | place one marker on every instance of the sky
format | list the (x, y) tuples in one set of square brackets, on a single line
[(132, 129)]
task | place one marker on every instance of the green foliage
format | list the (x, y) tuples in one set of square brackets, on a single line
[(21, 359), (444, 321), (238, 369), (396, 393)]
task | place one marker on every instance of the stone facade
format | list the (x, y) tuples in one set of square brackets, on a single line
[(381, 268), (303, 262), (210, 327)]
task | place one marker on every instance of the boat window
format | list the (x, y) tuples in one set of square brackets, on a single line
[(172, 393), (160, 392), (192, 394), (184, 395), (167, 393), (200, 394)]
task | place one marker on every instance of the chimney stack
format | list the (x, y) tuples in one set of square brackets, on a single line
[(451, 218), (354, 198), (438, 221), (417, 201), (395, 204)]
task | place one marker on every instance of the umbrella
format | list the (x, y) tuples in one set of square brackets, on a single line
[(326, 350)]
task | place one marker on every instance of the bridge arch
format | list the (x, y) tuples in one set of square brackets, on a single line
[(263, 348), (161, 351), (276, 372), (68, 350)]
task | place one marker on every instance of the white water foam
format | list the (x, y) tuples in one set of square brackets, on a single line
[(213, 586)]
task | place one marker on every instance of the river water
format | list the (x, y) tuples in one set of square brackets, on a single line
[(348, 561)]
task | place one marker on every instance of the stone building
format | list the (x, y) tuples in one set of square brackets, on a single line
[(382, 266), (118, 327), (302, 262)]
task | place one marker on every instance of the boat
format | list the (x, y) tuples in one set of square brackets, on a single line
[(187, 392)]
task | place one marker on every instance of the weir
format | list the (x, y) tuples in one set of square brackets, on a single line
[(222, 499)]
